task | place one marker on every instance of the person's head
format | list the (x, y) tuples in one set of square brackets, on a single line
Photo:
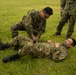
[(71, 42), (46, 12)]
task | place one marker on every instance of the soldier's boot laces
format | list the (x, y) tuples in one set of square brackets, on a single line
[(10, 58), (56, 34)]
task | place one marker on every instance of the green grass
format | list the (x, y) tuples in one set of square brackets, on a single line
[(12, 11)]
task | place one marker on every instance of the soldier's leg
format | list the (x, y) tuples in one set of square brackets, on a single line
[(18, 40), (14, 56), (71, 27), (61, 14), (12, 42), (75, 17), (27, 48), (21, 39), (11, 58), (22, 52), (61, 24), (15, 28), (3, 46)]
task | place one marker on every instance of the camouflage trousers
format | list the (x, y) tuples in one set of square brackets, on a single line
[(22, 40), (16, 27), (65, 18), (28, 47), (20, 27)]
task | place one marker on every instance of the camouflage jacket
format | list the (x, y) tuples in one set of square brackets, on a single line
[(45, 49), (70, 7), (33, 23)]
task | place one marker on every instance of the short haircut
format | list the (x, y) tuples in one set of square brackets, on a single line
[(74, 41), (48, 10)]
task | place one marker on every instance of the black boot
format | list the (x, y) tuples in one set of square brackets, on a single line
[(10, 58), (4, 46), (1, 44)]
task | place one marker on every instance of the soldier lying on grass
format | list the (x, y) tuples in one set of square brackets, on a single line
[(39, 49)]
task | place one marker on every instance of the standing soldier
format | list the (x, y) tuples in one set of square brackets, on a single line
[(55, 50), (68, 14), (34, 23)]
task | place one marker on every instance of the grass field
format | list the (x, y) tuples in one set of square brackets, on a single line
[(12, 11)]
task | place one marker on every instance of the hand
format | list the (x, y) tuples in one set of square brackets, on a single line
[(49, 41), (57, 44), (34, 38)]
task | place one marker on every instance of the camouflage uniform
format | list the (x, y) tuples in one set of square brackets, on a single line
[(62, 6), (75, 14), (39, 50), (31, 23), (68, 14)]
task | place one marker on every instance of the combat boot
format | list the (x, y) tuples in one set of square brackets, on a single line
[(56, 34), (3, 46), (10, 58)]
